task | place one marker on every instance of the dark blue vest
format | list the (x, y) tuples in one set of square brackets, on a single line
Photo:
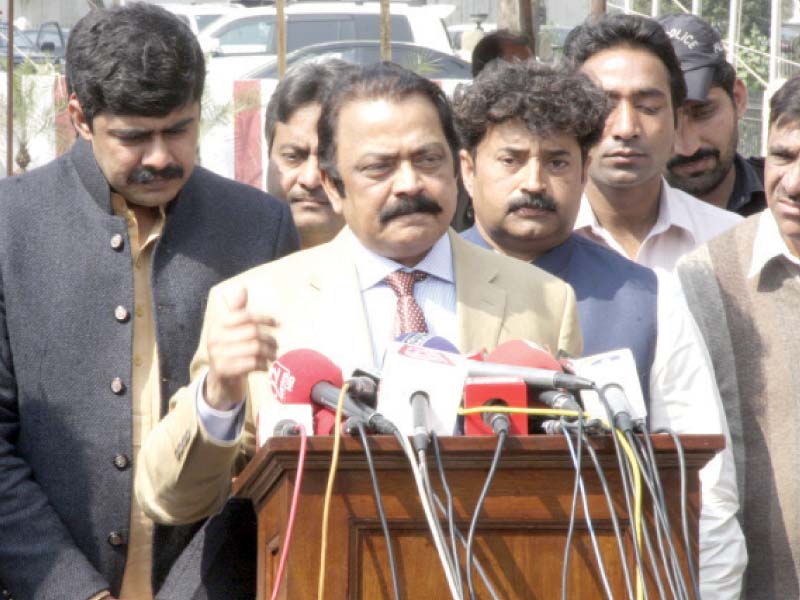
[(617, 298)]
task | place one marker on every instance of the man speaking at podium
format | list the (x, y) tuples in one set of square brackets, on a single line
[(388, 152)]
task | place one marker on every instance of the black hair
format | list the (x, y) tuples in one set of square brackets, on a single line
[(634, 31), (382, 80), (303, 84), (785, 103), (137, 59), (549, 100), (724, 77), (490, 47)]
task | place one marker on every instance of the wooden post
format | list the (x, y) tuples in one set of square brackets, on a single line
[(519, 15), (597, 9), (386, 31), (10, 92), (280, 41)]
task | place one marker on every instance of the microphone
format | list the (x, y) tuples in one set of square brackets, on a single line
[(620, 406), (559, 400), (285, 427), (419, 419), (307, 376), (497, 391), (527, 361)]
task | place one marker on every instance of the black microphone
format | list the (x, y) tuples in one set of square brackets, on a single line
[(419, 418), (620, 406), (286, 427), (559, 400)]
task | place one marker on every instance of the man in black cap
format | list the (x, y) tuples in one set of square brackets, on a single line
[(705, 161)]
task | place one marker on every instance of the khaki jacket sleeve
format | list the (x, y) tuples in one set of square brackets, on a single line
[(182, 474), (570, 339)]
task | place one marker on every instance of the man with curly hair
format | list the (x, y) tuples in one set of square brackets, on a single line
[(526, 131)]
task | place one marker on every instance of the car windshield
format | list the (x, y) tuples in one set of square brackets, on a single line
[(204, 21), (21, 41)]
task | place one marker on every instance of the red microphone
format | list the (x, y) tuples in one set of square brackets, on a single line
[(522, 353), (495, 391), (298, 376)]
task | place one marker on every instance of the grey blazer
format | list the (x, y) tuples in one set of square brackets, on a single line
[(65, 360)]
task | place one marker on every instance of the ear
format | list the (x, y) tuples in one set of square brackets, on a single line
[(78, 118), (740, 97), (335, 198), (467, 171)]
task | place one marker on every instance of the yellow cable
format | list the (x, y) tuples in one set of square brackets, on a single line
[(337, 437), (637, 509), (556, 412)]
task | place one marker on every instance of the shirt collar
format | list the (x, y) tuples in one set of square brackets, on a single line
[(372, 268), (768, 244), (672, 212)]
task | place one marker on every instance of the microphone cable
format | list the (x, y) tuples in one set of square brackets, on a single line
[(684, 508), (672, 570), (501, 438), (287, 540), (441, 546), (379, 504), (449, 513), (577, 462), (457, 535), (337, 438), (629, 477), (611, 511)]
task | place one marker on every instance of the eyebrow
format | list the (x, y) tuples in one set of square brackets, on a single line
[(638, 94), (393, 155), (780, 150), (134, 132)]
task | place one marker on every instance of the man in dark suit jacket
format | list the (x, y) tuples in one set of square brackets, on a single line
[(526, 131), (106, 257)]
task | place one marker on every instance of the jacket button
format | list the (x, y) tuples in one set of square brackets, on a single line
[(115, 538), (121, 314), (121, 462), (117, 386), (117, 242)]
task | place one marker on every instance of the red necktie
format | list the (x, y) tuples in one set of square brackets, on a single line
[(409, 317)]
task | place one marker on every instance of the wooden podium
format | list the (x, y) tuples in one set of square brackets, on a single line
[(521, 532)]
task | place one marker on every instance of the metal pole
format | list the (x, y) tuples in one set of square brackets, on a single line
[(733, 31), (280, 21), (697, 7), (655, 8), (10, 92), (776, 19)]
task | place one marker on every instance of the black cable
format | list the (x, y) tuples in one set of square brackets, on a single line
[(451, 523), (379, 503), (625, 475), (614, 520), (575, 491), (684, 508), (501, 438), (672, 568)]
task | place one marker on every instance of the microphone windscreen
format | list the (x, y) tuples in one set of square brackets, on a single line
[(292, 376), (522, 353), (425, 340)]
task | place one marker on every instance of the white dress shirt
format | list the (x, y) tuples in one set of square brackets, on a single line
[(684, 397), (768, 244), (683, 223)]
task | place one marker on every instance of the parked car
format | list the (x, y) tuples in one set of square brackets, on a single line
[(199, 16), (46, 45), (242, 41), (446, 69)]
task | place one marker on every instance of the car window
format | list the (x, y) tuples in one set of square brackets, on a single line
[(249, 35), (430, 63), (307, 31), (204, 21), (369, 28)]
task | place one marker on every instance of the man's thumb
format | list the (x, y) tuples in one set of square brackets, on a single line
[(235, 296)]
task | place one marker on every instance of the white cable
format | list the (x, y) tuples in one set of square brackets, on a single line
[(451, 560), (429, 515)]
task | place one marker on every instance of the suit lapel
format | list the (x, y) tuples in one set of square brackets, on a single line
[(480, 303), (340, 321)]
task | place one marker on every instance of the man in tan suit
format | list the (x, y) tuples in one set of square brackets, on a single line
[(387, 153)]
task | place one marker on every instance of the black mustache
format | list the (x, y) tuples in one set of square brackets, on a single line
[(538, 201), (408, 205), (147, 174), (679, 159)]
